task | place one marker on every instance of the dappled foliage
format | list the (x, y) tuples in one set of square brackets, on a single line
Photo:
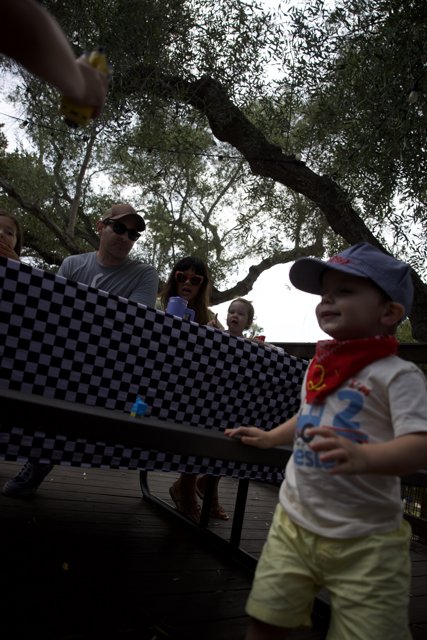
[(363, 72), (245, 138), (158, 150)]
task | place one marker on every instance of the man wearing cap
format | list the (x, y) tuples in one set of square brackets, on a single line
[(109, 269)]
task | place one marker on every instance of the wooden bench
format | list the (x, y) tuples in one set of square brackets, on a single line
[(79, 421)]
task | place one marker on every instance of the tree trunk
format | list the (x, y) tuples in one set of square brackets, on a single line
[(229, 124)]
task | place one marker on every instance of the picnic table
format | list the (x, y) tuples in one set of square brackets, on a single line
[(74, 359)]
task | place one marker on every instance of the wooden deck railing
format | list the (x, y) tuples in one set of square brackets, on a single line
[(416, 352)]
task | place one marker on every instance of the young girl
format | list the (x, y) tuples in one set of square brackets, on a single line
[(240, 316), (189, 279), (10, 236)]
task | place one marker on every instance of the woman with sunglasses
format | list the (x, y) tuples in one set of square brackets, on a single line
[(189, 279)]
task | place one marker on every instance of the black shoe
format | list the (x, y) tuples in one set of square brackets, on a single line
[(27, 481)]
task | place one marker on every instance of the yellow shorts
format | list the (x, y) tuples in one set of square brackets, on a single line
[(368, 580)]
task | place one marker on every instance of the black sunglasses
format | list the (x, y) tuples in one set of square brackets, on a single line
[(182, 277), (120, 229)]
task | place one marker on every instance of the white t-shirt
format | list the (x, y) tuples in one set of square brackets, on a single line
[(385, 400)]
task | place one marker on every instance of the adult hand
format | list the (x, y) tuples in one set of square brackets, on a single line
[(94, 86)]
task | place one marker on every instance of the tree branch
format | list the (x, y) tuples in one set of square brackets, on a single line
[(229, 124)]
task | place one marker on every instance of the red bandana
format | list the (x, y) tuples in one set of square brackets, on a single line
[(337, 360)]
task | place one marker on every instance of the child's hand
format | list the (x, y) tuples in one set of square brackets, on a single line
[(349, 457), (7, 252), (250, 435)]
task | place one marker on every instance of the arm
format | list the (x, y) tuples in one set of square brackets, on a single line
[(146, 291), (400, 456), (30, 35), (64, 268), (283, 434), (214, 322)]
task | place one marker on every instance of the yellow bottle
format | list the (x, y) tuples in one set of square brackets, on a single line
[(75, 114)]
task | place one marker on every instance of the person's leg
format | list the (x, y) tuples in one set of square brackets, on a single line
[(258, 630), (285, 582), (201, 486), (183, 493), (369, 581), (27, 481), (217, 510)]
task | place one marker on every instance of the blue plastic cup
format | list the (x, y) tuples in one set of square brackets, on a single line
[(177, 306)]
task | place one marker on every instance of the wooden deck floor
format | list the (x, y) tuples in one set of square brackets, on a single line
[(87, 559)]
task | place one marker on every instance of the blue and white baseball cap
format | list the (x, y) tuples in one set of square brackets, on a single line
[(364, 260)]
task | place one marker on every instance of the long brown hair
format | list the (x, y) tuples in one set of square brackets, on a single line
[(19, 233), (200, 303)]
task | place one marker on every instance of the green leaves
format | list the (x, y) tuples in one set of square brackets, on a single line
[(244, 137)]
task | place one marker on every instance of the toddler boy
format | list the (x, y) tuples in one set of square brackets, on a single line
[(361, 424)]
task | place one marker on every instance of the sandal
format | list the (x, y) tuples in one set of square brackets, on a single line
[(189, 510), (217, 510)]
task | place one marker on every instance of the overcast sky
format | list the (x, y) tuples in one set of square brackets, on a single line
[(285, 313)]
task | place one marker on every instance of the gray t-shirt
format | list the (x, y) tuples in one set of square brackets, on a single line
[(133, 280)]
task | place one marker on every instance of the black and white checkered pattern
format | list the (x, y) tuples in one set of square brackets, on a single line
[(65, 340)]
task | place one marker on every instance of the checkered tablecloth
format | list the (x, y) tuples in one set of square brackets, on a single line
[(62, 339)]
